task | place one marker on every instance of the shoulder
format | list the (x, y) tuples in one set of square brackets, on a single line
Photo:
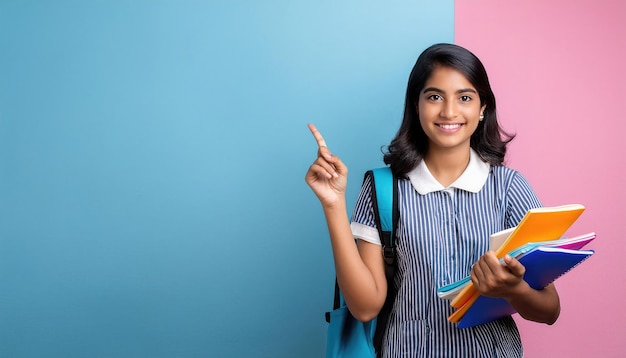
[(507, 176), (515, 190), (502, 171), (509, 182)]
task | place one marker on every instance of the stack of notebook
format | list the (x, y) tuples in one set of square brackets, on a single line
[(538, 244)]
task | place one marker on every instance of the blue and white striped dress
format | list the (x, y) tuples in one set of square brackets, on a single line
[(442, 233)]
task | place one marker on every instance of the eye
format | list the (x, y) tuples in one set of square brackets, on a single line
[(434, 97), (465, 98)]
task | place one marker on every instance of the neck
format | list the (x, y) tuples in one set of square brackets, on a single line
[(447, 165)]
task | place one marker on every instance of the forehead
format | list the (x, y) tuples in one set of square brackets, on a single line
[(447, 78)]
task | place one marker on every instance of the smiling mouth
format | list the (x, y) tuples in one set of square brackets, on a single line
[(450, 126)]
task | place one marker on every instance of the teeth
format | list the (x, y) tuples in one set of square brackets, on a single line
[(450, 126)]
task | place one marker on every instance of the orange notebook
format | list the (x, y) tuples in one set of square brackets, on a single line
[(540, 224)]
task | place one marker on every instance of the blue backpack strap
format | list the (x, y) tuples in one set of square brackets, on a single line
[(386, 214), (385, 206), (383, 186)]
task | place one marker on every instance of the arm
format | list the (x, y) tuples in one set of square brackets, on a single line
[(505, 280), (360, 269), (497, 280)]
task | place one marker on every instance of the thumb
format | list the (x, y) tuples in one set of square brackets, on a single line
[(514, 266)]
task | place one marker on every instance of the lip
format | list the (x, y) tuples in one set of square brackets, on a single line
[(449, 127)]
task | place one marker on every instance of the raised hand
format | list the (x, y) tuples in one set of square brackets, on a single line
[(327, 176)]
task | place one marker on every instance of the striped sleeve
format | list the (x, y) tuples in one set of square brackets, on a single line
[(362, 224), (520, 198)]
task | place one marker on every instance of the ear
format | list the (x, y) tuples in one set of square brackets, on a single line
[(482, 109)]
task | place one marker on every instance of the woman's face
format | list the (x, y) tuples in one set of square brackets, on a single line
[(449, 109)]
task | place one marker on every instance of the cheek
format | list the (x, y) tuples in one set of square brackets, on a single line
[(424, 118), (427, 110), (473, 110), (471, 115)]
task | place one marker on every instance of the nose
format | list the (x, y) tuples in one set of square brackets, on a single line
[(448, 109)]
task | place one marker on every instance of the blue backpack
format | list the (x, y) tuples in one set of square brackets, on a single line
[(346, 336)]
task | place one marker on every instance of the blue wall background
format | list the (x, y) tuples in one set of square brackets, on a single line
[(152, 161)]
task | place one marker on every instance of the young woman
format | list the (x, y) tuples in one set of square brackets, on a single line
[(454, 192)]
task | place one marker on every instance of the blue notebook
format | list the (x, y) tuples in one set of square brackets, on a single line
[(448, 292), (543, 264)]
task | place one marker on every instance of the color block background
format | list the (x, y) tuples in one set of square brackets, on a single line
[(152, 161), (558, 74), (152, 155)]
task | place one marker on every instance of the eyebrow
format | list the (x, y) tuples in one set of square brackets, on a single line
[(462, 90)]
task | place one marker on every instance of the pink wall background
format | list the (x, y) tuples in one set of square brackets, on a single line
[(558, 69)]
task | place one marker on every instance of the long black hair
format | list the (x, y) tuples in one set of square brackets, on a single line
[(411, 143)]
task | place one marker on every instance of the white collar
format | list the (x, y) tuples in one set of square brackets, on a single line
[(472, 179)]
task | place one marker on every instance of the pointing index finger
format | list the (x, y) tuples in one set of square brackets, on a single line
[(318, 136)]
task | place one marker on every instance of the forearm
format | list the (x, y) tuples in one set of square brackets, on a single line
[(363, 290), (536, 305)]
